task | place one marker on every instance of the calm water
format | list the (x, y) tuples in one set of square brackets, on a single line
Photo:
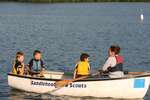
[(63, 31)]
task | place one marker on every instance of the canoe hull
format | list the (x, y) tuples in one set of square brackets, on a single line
[(115, 88)]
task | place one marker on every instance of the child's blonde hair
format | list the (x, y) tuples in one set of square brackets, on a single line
[(18, 54)]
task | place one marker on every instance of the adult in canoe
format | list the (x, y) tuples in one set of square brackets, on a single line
[(114, 64), (36, 64), (82, 68), (18, 66)]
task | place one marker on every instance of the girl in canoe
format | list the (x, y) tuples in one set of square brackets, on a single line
[(82, 68), (18, 66), (114, 63)]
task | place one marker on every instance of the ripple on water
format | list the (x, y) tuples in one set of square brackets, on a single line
[(34, 96), (63, 31)]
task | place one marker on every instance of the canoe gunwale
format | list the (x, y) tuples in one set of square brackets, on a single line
[(90, 79)]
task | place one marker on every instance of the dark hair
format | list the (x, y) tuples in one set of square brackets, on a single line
[(115, 48), (36, 51), (84, 56), (118, 49), (18, 54)]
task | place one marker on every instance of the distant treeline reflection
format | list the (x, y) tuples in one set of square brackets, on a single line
[(57, 1)]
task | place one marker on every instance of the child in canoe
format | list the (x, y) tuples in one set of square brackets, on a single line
[(82, 68), (36, 65), (114, 63), (18, 66)]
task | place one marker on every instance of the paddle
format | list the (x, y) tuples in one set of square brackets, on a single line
[(135, 73), (65, 82)]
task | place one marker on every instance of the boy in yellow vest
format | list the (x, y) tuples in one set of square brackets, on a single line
[(82, 68)]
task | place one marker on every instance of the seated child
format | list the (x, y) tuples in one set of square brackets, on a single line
[(18, 66), (114, 63), (36, 65), (82, 68)]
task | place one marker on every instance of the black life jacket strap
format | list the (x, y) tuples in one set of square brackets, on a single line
[(118, 67)]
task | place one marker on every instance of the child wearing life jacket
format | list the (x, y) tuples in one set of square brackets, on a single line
[(36, 65), (82, 68), (114, 63), (18, 66)]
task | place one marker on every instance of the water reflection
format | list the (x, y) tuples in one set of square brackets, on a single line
[(21, 95)]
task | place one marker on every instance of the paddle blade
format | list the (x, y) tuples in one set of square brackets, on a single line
[(62, 83)]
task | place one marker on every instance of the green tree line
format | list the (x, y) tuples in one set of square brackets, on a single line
[(57, 1)]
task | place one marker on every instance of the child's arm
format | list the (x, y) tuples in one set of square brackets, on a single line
[(75, 71), (89, 68), (30, 66), (109, 63), (42, 65), (74, 74)]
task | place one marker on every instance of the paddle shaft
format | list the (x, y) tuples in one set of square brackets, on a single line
[(63, 83)]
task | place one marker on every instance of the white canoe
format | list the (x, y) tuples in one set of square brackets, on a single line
[(127, 87)]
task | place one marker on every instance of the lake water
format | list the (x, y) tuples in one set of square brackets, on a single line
[(63, 31)]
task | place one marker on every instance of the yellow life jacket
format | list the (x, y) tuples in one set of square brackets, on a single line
[(14, 70), (82, 68)]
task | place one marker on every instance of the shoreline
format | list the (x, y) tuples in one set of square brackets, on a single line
[(76, 1)]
